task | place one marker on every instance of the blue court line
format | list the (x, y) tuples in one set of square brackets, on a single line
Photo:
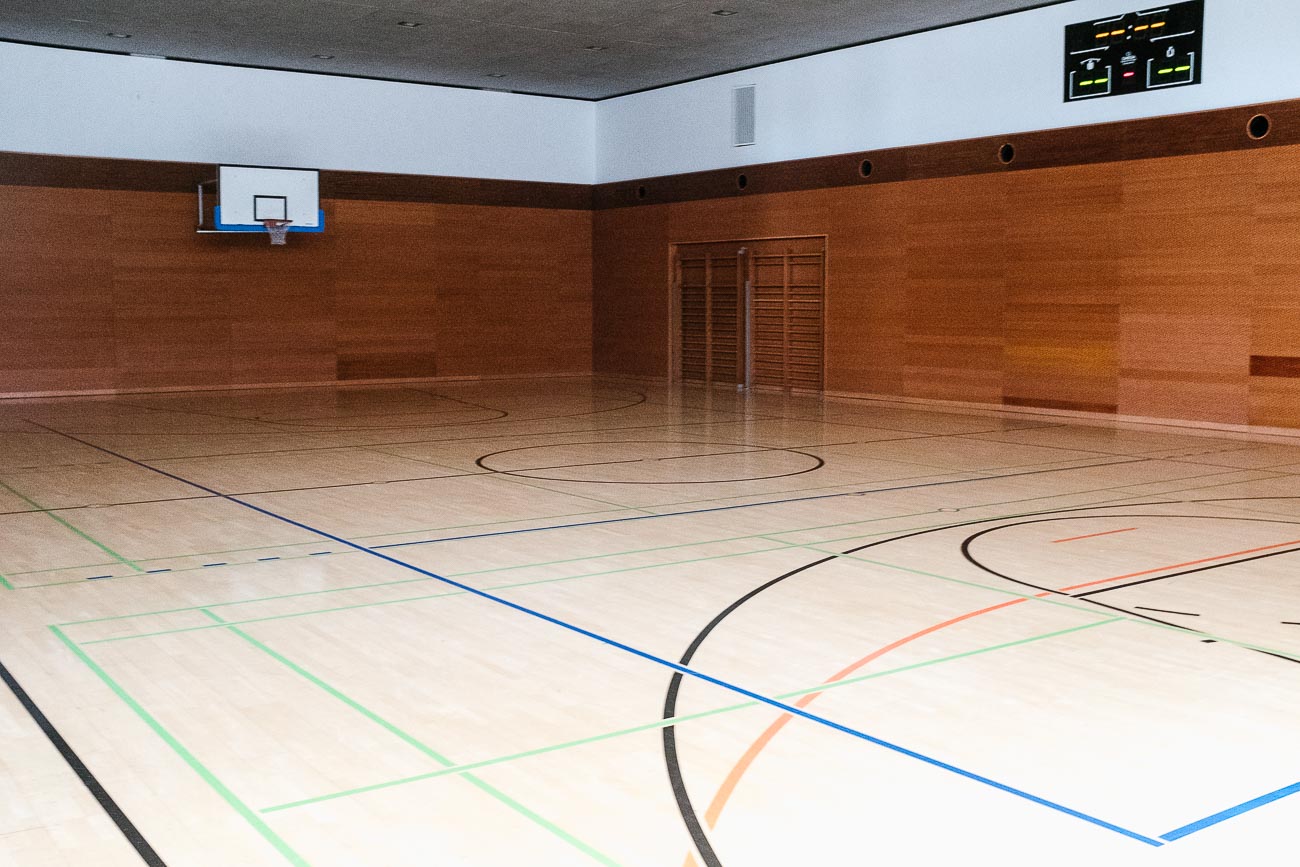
[(1230, 813), (681, 669), (711, 509)]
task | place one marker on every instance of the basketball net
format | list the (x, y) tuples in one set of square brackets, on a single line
[(278, 230)]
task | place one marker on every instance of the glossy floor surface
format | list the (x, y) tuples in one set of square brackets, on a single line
[(571, 621)]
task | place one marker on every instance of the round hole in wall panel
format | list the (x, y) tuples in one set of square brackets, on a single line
[(742, 181), (1007, 153), (1259, 127), (641, 192), (866, 168)]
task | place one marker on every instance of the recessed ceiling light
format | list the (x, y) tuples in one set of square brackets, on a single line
[(594, 48), (323, 56), (409, 24), (496, 75), (723, 12), (119, 35)]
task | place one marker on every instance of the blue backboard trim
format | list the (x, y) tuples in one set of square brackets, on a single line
[(226, 227)]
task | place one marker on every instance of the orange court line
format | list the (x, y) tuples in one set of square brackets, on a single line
[(1180, 565), (720, 798), (1094, 535), (714, 811)]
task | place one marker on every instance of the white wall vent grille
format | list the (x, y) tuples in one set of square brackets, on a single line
[(744, 116)]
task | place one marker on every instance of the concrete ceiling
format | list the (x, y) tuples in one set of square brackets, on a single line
[(585, 49)]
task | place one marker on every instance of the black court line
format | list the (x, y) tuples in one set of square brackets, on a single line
[(1198, 569), (685, 805), (1165, 611), (88, 779), (515, 435), (781, 502), (296, 427), (1087, 597), (743, 449), (104, 505), (666, 663)]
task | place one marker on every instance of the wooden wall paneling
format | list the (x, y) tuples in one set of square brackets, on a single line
[(630, 307), (283, 311), (1185, 333), (171, 304), (390, 258), (866, 300), (956, 289), (57, 292), (1064, 272), (113, 289), (1275, 332), (1143, 287), (516, 299)]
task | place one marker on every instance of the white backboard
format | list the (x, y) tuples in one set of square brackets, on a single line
[(249, 195)]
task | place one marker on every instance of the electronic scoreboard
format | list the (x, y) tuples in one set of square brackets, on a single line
[(1133, 53)]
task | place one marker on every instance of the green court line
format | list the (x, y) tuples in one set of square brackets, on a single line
[(765, 536), (275, 617), (89, 538), (677, 720), (177, 747), (1225, 471), (768, 536), (646, 511), (4, 582), (782, 545), (425, 749), (1050, 600), (521, 566), (274, 547)]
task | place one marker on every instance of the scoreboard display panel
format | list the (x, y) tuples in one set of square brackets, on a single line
[(1133, 53)]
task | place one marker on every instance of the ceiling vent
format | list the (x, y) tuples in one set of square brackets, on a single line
[(744, 116)]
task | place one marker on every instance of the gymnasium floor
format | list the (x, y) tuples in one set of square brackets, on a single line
[(572, 621)]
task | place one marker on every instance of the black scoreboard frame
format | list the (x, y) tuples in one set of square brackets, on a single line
[(1154, 49)]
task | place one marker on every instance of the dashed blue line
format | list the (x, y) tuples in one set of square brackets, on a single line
[(156, 571), (209, 565), (98, 577)]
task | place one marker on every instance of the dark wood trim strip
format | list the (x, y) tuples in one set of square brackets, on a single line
[(1071, 405), (96, 173), (375, 186), (1275, 365), (1217, 131)]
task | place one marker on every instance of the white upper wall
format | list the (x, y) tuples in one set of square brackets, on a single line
[(1002, 75), (80, 103)]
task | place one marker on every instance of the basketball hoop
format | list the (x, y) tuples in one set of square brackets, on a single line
[(278, 230)]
